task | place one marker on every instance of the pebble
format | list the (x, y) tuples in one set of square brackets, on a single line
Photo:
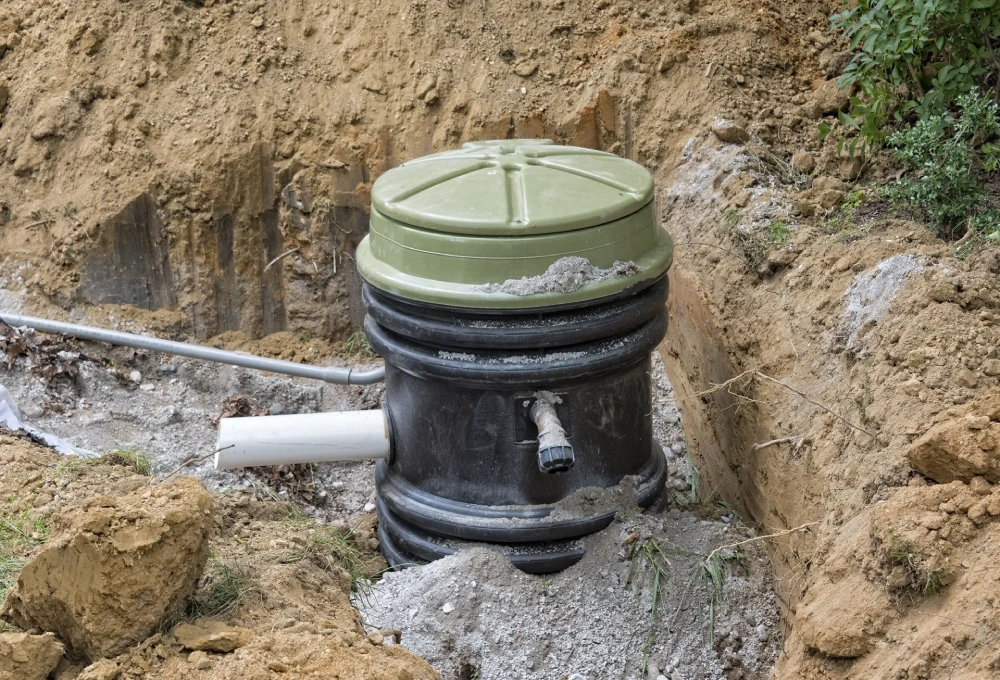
[(762, 632), (369, 507), (135, 376), (199, 660), (147, 387), (276, 409), (167, 368), (448, 608)]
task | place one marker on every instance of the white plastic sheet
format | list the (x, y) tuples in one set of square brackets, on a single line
[(10, 418)]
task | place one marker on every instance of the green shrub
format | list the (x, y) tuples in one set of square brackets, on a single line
[(914, 58), (950, 155)]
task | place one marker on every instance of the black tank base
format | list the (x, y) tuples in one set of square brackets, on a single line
[(404, 545), (537, 539)]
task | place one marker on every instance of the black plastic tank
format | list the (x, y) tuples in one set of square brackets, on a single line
[(515, 290)]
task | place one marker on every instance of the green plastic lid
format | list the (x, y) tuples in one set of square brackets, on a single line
[(460, 228)]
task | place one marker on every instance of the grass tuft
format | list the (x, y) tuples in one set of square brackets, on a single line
[(131, 459), (228, 586), (19, 535), (927, 579), (357, 345)]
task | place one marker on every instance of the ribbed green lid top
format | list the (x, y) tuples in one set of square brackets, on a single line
[(512, 187), (456, 228)]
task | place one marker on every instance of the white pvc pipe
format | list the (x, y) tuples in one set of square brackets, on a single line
[(303, 438)]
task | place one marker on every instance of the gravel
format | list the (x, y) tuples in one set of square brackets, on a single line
[(473, 615), (565, 275)]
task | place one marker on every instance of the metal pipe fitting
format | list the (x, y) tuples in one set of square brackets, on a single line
[(330, 374), (555, 454)]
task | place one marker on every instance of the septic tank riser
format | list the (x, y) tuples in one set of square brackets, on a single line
[(467, 363)]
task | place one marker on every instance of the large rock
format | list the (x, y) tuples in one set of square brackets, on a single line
[(960, 448), (114, 568), (28, 657)]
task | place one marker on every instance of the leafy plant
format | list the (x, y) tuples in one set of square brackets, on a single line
[(946, 154), (919, 55)]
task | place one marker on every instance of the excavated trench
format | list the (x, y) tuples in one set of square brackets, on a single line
[(277, 255)]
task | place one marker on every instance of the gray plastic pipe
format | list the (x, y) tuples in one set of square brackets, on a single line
[(332, 374)]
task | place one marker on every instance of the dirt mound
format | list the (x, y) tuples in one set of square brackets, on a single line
[(833, 371), (114, 568), (276, 582)]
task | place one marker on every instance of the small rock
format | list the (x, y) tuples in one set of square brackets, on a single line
[(899, 578), (729, 132), (147, 387), (742, 199), (831, 198), (526, 69), (432, 97), (828, 98), (167, 368), (135, 376), (105, 669), (991, 367), (804, 208), (762, 632), (448, 608), (980, 486), (376, 638), (199, 660), (277, 666), (966, 378), (369, 507), (276, 409), (802, 161), (827, 183), (425, 85), (211, 635), (257, 22)]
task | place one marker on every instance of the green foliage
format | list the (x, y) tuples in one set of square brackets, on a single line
[(917, 56), (755, 243), (648, 552), (357, 345), (19, 535), (946, 154)]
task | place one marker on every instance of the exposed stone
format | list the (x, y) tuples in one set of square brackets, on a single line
[(211, 635), (827, 183), (828, 98), (804, 208), (105, 669), (29, 657), (803, 161), (526, 69), (952, 451), (729, 132), (114, 568), (830, 198)]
